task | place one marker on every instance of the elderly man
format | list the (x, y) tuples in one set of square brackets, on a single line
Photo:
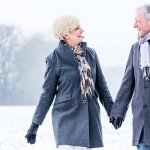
[(136, 84)]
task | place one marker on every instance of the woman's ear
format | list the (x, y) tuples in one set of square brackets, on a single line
[(66, 37)]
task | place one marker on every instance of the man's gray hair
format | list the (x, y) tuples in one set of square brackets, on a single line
[(146, 9)]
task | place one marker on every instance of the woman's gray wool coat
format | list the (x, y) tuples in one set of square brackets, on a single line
[(74, 122), (137, 89)]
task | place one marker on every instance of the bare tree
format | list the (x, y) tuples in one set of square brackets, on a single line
[(32, 67), (22, 63), (9, 46)]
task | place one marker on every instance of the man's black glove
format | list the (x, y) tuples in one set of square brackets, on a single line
[(31, 134), (116, 121)]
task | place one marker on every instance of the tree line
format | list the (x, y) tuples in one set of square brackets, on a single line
[(22, 65)]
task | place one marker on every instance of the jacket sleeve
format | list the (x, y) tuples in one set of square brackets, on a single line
[(102, 89), (47, 96), (125, 93)]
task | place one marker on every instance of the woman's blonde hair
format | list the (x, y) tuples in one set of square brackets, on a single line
[(64, 24)]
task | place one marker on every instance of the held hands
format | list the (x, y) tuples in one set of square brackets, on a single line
[(31, 134), (116, 121)]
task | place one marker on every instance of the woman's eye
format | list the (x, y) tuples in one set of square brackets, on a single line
[(77, 28)]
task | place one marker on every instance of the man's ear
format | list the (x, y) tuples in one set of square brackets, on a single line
[(149, 22)]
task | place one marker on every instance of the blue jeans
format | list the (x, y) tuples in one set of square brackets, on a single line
[(143, 147)]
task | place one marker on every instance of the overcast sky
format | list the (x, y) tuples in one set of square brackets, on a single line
[(108, 24)]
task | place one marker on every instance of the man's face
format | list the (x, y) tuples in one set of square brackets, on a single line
[(142, 24)]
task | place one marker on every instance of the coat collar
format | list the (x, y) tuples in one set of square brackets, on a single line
[(67, 53), (144, 39)]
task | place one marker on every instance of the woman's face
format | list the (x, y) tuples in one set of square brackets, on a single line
[(74, 37)]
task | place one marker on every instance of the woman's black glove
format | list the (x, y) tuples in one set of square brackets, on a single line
[(31, 134), (116, 121)]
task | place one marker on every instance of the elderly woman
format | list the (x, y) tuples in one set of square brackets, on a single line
[(74, 77)]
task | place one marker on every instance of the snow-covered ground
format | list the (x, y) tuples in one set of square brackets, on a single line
[(15, 121)]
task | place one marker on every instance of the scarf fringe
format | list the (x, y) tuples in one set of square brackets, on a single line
[(144, 61), (146, 73)]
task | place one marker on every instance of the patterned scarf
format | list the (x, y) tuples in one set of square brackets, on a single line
[(145, 56), (86, 81)]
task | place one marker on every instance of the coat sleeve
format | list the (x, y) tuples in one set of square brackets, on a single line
[(125, 93), (47, 96), (102, 89)]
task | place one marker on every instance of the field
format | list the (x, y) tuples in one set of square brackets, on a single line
[(15, 121)]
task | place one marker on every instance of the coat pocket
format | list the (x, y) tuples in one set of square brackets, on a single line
[(63, 98)]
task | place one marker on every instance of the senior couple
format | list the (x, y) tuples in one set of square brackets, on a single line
[(75, 84)]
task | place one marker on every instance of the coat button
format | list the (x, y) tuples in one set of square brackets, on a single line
[(146, 87), (145, 106)]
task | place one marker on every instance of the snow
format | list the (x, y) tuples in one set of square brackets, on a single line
[(15, 121)]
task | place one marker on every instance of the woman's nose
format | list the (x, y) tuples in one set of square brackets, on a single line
[(82, 30)]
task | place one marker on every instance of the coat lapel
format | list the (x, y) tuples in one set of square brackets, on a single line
[(67, 53)]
